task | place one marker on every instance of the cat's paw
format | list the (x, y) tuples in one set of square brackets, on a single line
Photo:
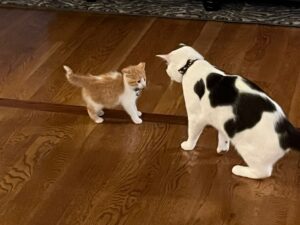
[(139, 113), (137, 120), (238, 170), (99, 120), (187, 146), (223, 146), (245, 171)]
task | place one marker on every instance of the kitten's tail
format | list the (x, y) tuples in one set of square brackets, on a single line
[(77, 80)]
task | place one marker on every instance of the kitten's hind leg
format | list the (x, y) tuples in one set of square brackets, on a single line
[(94, 115), (195, 128), (223, 142), (253, 173)]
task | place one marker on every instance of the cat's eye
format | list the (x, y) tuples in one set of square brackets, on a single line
[(139, 81)]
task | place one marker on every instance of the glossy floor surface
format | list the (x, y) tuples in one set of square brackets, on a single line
[(57, 167)]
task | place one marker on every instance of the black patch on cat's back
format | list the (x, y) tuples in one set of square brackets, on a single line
[(199, 88), (222, 89), (248, 111), (247, 108)]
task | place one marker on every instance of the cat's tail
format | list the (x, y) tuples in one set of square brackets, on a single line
[(77, 80), (295, 139), (289, 135)]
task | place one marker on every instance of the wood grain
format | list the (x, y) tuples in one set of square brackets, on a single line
[(58, 167)]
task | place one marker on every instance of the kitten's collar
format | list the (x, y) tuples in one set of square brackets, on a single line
[(187, 65), (137, 91)]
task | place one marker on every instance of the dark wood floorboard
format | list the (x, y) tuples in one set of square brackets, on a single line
[(57, 167)]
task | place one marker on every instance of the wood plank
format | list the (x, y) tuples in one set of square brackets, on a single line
[(284, 82), (59, 167), (25, 56), (170, 33), (93, 54), (81, 174)]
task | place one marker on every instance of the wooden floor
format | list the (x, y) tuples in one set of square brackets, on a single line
[(57, 167)]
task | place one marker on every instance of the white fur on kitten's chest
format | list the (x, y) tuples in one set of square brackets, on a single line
[(129, 95)]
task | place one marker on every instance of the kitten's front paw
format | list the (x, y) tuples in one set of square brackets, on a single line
[(223, 147), (137, 121), (187, 146), (139, 113), (99, 120)]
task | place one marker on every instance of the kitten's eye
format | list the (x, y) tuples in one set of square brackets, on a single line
[(139, 81)]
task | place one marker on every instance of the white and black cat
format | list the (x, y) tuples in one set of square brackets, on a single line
[(240, 111)]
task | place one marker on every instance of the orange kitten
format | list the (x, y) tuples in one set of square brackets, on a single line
[(111, 89)]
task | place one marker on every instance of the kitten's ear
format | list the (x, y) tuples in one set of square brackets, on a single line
[(164, 57), (142, 65), (126, 70)]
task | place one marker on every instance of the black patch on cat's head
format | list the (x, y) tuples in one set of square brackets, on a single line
[(253, 85), (199, 88), (248, 110), (222, 89)]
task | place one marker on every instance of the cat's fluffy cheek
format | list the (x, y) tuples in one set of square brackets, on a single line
[(174, 74), (177, 79)]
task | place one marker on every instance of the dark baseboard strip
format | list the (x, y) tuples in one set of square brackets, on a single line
[(81, 110)]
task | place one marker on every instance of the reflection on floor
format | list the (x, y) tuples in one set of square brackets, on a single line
[(64, 169)]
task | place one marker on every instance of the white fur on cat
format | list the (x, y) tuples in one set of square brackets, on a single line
[(259, 146)]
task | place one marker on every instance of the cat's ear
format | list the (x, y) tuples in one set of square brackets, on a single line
[(164, 57), (142, 65)]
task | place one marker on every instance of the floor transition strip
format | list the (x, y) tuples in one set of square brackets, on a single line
[(110, 115)]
